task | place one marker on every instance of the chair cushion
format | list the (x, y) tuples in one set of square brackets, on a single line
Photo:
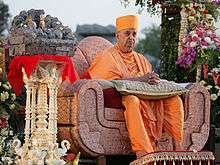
[(112, 98), (143, 90)]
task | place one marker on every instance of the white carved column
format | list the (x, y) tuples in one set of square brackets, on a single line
[(53, 87), (41, 145), (27, 130), (33, 108), (40, 136)]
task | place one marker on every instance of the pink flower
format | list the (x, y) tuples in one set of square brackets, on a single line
[(199, 33), (3, 122), (201, 37), (216, 39), (204, 43), (195, 38), (185, 50)]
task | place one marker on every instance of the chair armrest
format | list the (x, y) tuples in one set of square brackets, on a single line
[(66, 89), (196, 116)]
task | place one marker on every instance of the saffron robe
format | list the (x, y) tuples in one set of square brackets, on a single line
[(145, 119)]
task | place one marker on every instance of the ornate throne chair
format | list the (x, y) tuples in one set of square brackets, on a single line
[(97, 130)]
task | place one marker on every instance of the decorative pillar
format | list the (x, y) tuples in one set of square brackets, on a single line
[(33, 108), (40, 145)]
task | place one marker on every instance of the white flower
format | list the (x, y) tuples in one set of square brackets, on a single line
[(13, 96), (198, 15), (217, 87), (10, 132), (191, 18), (215, 70), (214, 97), (1, 149), (7, 159), (218, 94), (202, 82), (193, 44), (5, 86), (192, 32), (4, 132), (2, 95), (6, 95), (200, 5), (208, 39), (209, 87), (212, 46), (9, 85), (12, 106), (209, 32), (10, 161)]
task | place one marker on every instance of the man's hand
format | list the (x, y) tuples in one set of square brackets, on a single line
[(150, 78)]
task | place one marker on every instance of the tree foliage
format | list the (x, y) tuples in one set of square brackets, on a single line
[(4, 15), (150, 44)]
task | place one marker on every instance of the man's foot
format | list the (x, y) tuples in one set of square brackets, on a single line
[(140, 154)]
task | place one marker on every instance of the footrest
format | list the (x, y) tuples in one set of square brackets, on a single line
[(176, 158)]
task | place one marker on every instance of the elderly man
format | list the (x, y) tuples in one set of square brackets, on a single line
[(145, 119)]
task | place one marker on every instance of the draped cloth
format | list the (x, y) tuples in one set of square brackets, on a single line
[(29, 63), (145, 119)]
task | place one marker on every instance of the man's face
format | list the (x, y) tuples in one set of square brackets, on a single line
[(126, 39)]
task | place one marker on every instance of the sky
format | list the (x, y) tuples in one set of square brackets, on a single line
[(78, 12)]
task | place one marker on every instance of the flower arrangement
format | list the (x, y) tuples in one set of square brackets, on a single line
[(201, 36), (7, 108), (194, 44), (212, 83)]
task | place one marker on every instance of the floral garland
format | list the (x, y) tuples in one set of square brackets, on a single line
[(7, 108), (213, 84), (214, 90)]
